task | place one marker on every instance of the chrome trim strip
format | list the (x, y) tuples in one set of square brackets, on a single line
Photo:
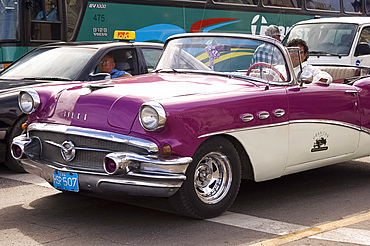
[(76, 147), (354, 92), (140, 183), (243, 129), (366, 130), (331, 122), (104, 135)]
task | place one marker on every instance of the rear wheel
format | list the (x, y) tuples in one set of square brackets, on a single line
[(213, 180), (10, 162)]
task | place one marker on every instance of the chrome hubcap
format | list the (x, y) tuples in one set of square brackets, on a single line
[(212, 178)]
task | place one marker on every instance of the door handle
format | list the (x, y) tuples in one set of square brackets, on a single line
[(353, 92)]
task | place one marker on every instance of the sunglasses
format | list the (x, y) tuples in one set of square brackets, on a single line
[(296, 51)]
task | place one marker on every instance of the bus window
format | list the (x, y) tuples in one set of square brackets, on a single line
[(332, 5), (249, 2), (73, 10), (45, 10), (9, 19), (354, 6), (283, 3), (45, 22)]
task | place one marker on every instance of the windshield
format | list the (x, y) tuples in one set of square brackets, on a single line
[(8, 19), (226, 55), (325, 38), (58, 63)]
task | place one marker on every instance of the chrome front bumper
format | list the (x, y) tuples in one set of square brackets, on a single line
[(144, 175)]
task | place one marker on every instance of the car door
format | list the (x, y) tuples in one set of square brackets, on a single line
[(323, 124)]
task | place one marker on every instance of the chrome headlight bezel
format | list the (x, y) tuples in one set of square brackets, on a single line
[(28, 101), (152, 116)]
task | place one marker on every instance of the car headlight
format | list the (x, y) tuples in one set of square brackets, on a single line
[(152, 116), (28, 101)]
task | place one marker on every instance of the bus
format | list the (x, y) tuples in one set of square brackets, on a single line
[(25, 24)]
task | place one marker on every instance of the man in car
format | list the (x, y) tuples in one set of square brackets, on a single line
[(302, 52), (107, 64)]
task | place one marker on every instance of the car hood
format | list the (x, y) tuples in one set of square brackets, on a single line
[(116, 103), (9, 84)]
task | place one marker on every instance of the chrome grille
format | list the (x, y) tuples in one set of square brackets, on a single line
[(87, 154)]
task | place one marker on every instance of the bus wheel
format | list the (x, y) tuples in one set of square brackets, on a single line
[(213, 180), (10, 162)]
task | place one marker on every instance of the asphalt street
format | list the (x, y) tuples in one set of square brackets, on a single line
[(326, 206)]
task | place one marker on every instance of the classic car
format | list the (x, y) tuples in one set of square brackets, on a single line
[(62, 62), (207, 117)]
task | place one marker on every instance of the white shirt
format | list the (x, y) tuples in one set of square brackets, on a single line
[(318, 75)]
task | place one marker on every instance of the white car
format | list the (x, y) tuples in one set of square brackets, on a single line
[(341, 40)]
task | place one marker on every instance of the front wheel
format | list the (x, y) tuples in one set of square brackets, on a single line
[(10, 162), (213, 180)]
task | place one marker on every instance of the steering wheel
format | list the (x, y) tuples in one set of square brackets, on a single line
[(262, 64)]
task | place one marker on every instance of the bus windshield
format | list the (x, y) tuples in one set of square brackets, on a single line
[(8, 19), (325, 38), (55, 63)]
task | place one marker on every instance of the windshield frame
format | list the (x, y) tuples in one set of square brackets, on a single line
[(291, 80)]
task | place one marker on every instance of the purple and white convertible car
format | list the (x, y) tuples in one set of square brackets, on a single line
[(211, 114)]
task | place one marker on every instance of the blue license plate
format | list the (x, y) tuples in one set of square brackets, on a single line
[(66, 181)]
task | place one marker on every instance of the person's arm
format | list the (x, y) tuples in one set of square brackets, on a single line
[(320, 76)]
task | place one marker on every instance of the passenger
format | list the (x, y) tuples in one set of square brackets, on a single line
[(107, 64), (50, 12), (267, 53), (318, 75)]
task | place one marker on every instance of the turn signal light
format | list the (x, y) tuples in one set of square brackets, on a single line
[(24, 126)]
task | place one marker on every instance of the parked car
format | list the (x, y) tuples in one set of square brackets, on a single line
[(336, 41), (62, 62), (207, 117)]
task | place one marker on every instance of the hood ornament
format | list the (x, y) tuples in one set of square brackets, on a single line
[(89, 88)]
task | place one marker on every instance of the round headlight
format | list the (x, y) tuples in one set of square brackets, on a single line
[(152, 116), (28, 101)]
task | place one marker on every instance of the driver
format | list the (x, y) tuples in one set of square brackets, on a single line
[(318, 75), (107, 64)]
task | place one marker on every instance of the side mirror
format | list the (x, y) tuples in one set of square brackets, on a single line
[(305, 78), (362, 49), (99, 76)]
